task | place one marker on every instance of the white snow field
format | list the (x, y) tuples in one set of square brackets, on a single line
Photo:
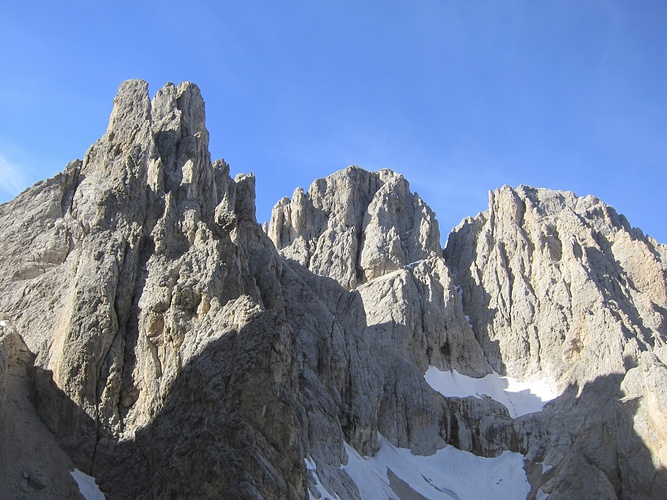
[(448, 474), (312, 467), (520, 398), (87, 485)]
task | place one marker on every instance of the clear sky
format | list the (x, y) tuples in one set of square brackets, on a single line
[(459, 96)]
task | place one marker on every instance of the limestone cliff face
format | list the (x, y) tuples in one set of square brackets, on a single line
[(176, 350), (354, 226), (32, 465), (559, 285), (127, 270), (371, 234), (173, 348), (562, 287)]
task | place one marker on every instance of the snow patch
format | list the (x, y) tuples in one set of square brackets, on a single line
[(3, 323), (87, 485), (449, 473), (324, 493), (520, 398), (541, 495), (413, 264), (459, 290)]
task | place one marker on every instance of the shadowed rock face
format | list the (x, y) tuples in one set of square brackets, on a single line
[(123, 269), (180, 351), (370, 233)]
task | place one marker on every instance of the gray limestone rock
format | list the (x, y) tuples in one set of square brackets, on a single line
[(559, 285), (135, 266), (174, 348), (370, 233), (562, 287), (32, 465), (355, 225)]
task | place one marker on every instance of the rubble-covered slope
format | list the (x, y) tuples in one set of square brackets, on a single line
[(175, 349)]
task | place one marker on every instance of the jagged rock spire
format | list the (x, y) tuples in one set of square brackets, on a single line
[(177, 352)]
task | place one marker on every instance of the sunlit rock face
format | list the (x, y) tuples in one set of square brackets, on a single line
[(173, 348), (559, 284), (137, 274), (562, 287), (355, 226)]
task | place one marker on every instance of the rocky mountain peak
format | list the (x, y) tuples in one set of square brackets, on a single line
[(133, 245), (560, 272), (354, 226), (174, 348), (131, 111), (173, 108)]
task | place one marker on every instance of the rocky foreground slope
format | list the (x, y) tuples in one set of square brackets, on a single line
[(172, 348)]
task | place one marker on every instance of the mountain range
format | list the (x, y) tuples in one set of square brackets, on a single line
[(157, 342)]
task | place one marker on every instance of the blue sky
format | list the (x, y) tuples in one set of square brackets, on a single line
[(460, 97)]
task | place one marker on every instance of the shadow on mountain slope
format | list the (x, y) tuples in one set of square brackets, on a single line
[(239, 417), (231, 424), (228, 425), (589, 436)]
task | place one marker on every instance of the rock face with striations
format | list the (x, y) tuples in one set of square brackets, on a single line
[(176, 349), (563, 288), (177, 352), (137, 265), (370, 233), (549, 279), (355, 226)]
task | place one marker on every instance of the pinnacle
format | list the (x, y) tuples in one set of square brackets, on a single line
[(131, 109)]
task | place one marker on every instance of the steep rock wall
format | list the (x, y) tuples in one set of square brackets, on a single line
[(561, 287), (177, 351), (354, 226), (121, 272), (180, 350)]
